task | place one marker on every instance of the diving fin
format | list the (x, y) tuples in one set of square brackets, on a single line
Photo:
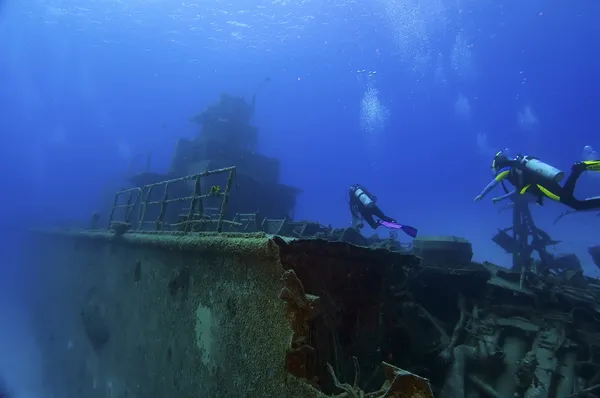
[(408, 230), (592, 165)]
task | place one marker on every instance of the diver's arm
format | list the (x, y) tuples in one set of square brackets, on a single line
[(354, 210), (356, 217), (488, 188), (502, 174), (509, 195)]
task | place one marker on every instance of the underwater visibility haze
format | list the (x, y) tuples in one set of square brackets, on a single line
[(409, 99)]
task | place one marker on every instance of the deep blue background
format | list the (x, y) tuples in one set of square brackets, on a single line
[(86, 88)]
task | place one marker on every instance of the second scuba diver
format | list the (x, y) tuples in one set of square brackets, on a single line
[(363, 205), (531, 176)]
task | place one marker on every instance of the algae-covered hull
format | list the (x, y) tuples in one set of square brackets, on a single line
[(211, 315)]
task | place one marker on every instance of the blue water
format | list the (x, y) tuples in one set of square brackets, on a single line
[(410, 98)]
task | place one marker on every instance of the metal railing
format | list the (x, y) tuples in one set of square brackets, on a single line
[(195, 217)]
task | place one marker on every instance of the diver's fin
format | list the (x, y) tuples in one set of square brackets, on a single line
[(592, 165), (410, 231), (407, 229), (389, 224)]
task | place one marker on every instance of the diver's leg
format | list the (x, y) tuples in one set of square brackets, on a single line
[(567, 195), (592, 165), (586, 204), (368, 217), (379, 213), (568, 188)]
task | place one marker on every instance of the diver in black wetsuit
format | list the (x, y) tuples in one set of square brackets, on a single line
[(362, 205), (530, 175)]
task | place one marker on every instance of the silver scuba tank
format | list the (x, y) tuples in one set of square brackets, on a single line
[(542, 169), (363, 197)]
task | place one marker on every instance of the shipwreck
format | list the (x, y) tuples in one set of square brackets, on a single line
[(200, 283)]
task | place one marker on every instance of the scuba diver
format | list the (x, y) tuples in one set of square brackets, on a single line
[(363, 205), (531, 176)]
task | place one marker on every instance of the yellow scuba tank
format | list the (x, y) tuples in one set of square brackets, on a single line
[(541, 169)]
